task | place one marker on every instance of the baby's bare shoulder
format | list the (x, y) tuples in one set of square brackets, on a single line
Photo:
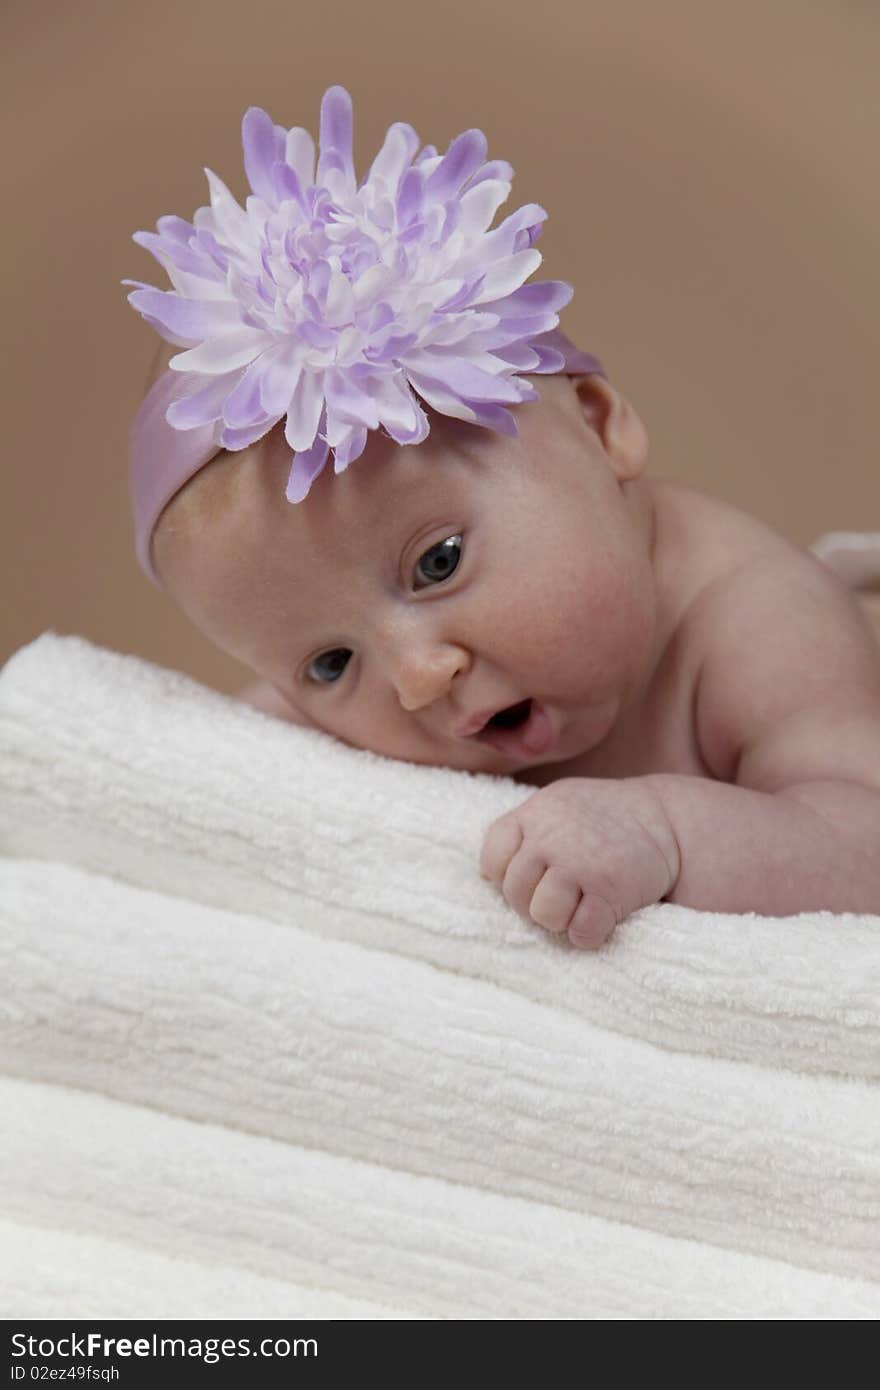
[(787, 666), (705, 539)]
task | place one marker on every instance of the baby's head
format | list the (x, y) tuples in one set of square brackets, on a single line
[(482, 541), (431, 585)]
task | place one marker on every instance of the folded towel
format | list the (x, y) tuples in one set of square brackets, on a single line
[(853, 555), (56, 1273), (273, 1030), (248, 924), (350, 1230), (131, 770)]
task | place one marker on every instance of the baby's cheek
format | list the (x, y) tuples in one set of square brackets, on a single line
[(616, 627)]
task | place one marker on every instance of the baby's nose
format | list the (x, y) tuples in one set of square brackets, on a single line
[(424, 674)]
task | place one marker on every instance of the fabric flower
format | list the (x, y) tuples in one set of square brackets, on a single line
[(338, 306)]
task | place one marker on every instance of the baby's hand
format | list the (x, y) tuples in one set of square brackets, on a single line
[(581, 854)]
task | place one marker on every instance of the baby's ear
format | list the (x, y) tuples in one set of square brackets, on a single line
[(618, 425)]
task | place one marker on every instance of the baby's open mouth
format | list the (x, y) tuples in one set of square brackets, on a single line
[(523, 730), (510, 718)]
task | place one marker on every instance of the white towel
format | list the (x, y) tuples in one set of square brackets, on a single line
[(52, 1272), (138, 772), (854, 556), (323, 967), (219, 1198)]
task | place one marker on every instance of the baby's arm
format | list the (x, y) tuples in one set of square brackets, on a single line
[(788, 711), (810, 846)]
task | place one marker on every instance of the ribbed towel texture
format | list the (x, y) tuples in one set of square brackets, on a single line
[(262, 1014)]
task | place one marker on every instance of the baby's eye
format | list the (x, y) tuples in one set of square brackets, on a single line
[(440, 561), (329, 666)]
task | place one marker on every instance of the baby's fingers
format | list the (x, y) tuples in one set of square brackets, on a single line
[(503, 839), (554, 902), (525, 873), (592, 923)]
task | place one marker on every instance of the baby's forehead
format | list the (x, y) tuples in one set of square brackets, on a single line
[(389, 488), (246, 564), (385, 477), (243, 560), (235, 508)]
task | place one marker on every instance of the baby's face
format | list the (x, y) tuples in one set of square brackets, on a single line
[(426, 588)]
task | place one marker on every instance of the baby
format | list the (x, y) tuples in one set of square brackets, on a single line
[(695, 700)]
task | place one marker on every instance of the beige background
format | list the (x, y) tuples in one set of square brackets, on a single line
[(710, 171)]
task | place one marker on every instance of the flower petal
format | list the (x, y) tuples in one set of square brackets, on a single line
[(463, 297), (574, 359), (204, 406), (210, 284), (263, 145), (229, 219), (222, 354), (348, 450), (286, 184), (280, 372), (304, 411), (462, 376), (494, 169), (240, 439), (480, 204), (189, 318), (339, 301), (307, 464), (462, 159), (348, 402), (299, 152), (410, 197), (436, 394), (503, 240), (456, 328), (520, 356), (494, 417), (336, 137), (510, 330), (205, 241), (371, 285), (175, 228), (392, 348), (334, 430), (243, 406), (506, 275), (549, 360), (169, 249), (545, 297), (398, 149), (398, 409)]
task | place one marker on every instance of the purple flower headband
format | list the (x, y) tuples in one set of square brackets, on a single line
[(337, 306)]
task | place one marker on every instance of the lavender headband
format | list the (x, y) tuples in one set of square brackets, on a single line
[(337, 306)]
